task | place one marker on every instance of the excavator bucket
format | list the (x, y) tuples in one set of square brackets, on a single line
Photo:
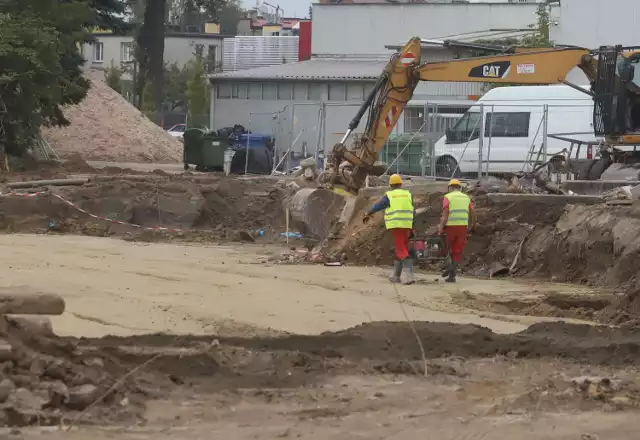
[(312, 211)]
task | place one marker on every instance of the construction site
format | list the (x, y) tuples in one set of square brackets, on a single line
[(139, 301)]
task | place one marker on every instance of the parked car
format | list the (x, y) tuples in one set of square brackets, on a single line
[(177, 131)]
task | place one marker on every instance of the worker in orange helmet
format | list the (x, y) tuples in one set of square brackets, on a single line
[(398, 217), (457, 220)]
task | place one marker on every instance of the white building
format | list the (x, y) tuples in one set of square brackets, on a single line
[(595, 23)]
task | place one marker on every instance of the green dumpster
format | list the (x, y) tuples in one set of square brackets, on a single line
[(410, 161), (205, 150)]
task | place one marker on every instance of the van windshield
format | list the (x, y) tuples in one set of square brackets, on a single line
[(466, 129)]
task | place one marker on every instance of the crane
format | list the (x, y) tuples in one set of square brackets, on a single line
[(615, 88)]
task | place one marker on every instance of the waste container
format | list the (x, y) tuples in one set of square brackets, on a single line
[(205, 150)]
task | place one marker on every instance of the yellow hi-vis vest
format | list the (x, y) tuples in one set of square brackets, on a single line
[(458, 208), (399, 214)]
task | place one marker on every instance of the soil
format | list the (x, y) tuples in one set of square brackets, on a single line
[(105, 127), (218, 209), (250, 349)]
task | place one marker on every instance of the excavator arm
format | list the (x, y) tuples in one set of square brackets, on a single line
[(394, 89)]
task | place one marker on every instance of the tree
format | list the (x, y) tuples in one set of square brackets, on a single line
[(113, 78), (39, 66), (310, 12), (229, 17), (175, 80), (197, 95)]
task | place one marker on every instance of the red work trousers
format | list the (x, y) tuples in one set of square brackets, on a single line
[(401, 242), (456, 239)]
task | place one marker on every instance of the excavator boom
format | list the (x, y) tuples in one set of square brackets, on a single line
[(349, 168)]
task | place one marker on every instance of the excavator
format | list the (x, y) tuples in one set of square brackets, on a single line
[(611, 70)]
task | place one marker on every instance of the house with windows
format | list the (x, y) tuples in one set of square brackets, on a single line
[(114, 49)]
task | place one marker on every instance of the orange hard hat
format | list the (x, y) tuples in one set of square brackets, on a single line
[(395, 179)]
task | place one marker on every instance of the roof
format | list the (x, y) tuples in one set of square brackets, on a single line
[(166, 35), (317, 69), (470, 37)]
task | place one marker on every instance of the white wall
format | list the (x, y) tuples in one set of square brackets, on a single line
[(367, 29), (594, 23)]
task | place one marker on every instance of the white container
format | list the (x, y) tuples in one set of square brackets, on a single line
[(228, 156)]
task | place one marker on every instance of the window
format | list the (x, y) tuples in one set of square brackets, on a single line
[(269, 91), (126, 52), (337, 91), (355, 92), (199, 51), (285, 91), (368, 88), (98, 52), (240, 91), (316, 91), (465, 129), (211, 52), (507, 124), (255, 91), (414, 119), (300, 92), (224, 91)]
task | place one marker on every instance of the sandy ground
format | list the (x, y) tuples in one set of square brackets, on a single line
[(121, 288)]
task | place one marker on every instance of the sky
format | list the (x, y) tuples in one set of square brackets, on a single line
[(297, 8)]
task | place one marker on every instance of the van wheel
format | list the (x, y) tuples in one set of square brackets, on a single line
[(599, 168), (447, 167)]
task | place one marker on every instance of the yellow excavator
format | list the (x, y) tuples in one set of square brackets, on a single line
[(615, 88)]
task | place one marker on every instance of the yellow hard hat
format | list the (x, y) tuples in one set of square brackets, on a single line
[(395, 179), (454, 182)]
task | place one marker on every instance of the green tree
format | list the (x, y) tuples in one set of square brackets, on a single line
[(175, 80), (197, 95), (113, 77)]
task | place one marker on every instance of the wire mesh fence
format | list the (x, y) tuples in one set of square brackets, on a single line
[(443, 141)]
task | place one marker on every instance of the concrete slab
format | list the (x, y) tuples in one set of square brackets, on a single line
[(544, 198), (595, 187)]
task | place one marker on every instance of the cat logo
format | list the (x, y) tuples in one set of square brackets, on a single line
[(491, 70)]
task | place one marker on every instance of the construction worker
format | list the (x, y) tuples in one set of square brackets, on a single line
[(398, 217), (458, 219)]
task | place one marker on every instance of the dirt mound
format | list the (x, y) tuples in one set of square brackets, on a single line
[(105, 127), (623, 310), (381, 342), (222, 209), (46, 380), (596, 245)]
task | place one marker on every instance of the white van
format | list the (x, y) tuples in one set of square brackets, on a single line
[(513, 122)]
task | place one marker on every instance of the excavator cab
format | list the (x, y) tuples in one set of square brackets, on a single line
[(616, 95)]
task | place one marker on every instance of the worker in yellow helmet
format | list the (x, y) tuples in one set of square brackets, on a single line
[(398, 217), (458, 218)]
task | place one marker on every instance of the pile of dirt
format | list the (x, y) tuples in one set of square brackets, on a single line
[(227, 209), (596, 245), (46, 380), (105, 127)]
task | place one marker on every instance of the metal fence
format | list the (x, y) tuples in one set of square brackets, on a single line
[(435, 140), (443, 141)]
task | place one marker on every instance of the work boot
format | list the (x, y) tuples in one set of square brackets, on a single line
[(397, 271), (452, 273), (407, 265)]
